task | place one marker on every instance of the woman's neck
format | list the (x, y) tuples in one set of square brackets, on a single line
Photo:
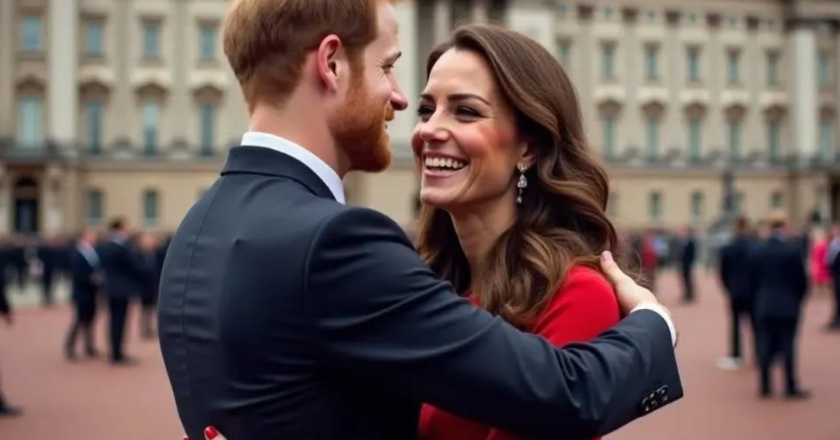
[(480, 227)]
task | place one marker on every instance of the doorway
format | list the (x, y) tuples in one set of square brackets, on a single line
[(26, 198)]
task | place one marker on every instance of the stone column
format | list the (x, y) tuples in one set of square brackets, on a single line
[(671, 128), (407, 71), (180, 93), (5, 201), (803, 48), (630, 133), (585, 55), (714, 132), (752, 64), (51, 197), (122, 99), (8, 46), (480, 13), (837, 91), (63, 66), (442, 21)]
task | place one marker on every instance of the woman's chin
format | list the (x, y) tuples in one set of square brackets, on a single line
[(439, 201)]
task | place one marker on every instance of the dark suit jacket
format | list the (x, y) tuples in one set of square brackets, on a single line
[(123, 274), (780, 279), (735, 266), (286, 315), (688, 253), (7, 258), (84, 288)]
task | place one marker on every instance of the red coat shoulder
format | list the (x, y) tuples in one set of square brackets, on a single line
[(584, 306)]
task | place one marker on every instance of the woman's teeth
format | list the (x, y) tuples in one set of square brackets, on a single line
[(444, 163)]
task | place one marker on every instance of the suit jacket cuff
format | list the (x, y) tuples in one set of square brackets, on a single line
[(661, 312)]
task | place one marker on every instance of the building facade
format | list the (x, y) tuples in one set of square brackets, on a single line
[(127, 107)]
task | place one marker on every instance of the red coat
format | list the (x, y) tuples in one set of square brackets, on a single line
[(583, 307)]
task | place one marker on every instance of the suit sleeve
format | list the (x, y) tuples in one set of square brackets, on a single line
[(5, 307), (724, 267), (584, 308), (380, 315)]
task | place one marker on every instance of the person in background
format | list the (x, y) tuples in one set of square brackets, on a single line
[(780, 282), (148, 250), (833, 264), (86, 280), (687, 247), (734, 271), (7, 259), (123, 281), (818, 267)]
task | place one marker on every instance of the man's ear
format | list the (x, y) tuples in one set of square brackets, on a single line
[(329, 61)]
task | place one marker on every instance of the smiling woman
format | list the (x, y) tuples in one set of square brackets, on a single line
[(514, 213)]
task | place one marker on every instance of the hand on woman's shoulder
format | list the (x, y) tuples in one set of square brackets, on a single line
[(584, 306)]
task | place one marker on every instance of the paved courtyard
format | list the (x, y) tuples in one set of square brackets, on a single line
[(90, 400)]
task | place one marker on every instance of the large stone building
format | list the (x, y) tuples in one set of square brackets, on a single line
[(127, 107)]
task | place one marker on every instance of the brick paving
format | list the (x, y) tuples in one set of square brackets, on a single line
[(90, 400)]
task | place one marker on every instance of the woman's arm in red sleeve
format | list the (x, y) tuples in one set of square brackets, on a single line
[(584, 307)]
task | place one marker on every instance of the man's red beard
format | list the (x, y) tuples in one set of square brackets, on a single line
[(359, 129)]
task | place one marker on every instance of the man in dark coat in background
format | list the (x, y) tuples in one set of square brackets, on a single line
[(780, 283)]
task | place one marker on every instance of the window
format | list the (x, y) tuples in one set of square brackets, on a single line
[(30, 133), (151, 127), (207, 49), (773, 68), (651, 62), (93, 120), (694, 138), (694, 64), (697, 206), (150, 207), (95, 207), (30, 38), (739, 202), (826, 138), (652, 137), (607, 61), (824, 69), (733, 58), (565, 53), (777, 200), (93, 39), (207, 115), (655, 206), (735, 139), (609, 136), (151, 41), (773, 139)]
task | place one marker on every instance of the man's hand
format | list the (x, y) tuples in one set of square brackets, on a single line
[(632, 296)]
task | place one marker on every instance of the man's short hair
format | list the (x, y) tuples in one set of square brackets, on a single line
[(117, 224), (267, 41), (777, 219), (742, 225)]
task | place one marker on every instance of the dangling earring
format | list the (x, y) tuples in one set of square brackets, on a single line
[(522, 184)]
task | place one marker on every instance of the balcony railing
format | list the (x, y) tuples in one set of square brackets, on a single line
[(12, 151)]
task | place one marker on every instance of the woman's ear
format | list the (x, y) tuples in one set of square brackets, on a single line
[(527, 156)]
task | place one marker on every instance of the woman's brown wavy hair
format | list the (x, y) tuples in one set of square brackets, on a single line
[(562, 220)]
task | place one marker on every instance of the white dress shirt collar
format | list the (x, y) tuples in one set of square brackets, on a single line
[(313, 162)]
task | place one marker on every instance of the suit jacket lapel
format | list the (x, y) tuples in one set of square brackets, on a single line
[(268, 162)]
